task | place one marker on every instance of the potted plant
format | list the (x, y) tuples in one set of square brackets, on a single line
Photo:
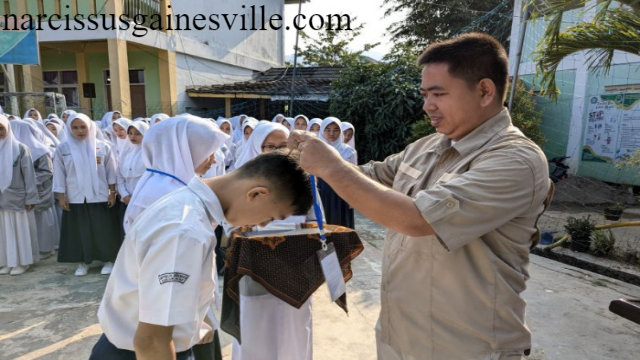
[(602, 244), (580, 230), (613, 212)]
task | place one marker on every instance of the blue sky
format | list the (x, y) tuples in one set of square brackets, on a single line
[(367, 11)]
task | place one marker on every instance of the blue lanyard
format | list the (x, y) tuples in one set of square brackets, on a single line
[(316, 209), (165, 174)]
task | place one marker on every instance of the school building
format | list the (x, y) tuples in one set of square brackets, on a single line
[(596, 118), (142, 75)]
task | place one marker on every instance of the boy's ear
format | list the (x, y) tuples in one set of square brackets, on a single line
[(257, 191)]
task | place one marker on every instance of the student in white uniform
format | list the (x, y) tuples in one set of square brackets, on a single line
[(173, 151), (84, 180), (109, 118), (349, 132), (121, 144), (18, 195), (314, 125), (247, 128), (271, 328), (130, 169), (35, 117), (156, 118), (56, 127), (300, 122), (288, 123), (65, 115), (164, 282), (278, 118), (45, 214), (229, 148)]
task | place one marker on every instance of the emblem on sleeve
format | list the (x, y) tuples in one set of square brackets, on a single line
[(173, 277)]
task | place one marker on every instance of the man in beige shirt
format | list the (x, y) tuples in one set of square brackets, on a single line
[(461, 208)]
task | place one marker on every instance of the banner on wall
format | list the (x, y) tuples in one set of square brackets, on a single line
[(612, 129)]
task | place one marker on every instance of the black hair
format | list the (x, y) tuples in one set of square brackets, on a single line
[(285, 174), (471, 57)]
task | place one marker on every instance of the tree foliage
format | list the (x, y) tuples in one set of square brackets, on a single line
[(331, 47), (613, 27), (382, 101), (429, 21)]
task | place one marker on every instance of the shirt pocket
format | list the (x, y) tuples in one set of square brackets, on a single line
[(406, 179)]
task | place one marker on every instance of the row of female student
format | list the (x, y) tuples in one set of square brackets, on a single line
[(95, 197)]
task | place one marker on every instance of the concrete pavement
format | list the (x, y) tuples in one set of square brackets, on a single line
[(48, 313)]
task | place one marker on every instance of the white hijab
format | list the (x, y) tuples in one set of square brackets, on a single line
[(346, 126), (175, 146), (253, 147), (249, 122), (221, 121), (155, 117), (345, 150), (306, 121), (53, 140), (59, 125), (237, 134), (107, 119), (312, 122), (68, 112), (83, 153), (29, 135), (9, 152), (121, 145), (131, 164), (289, 121), (275, 118)]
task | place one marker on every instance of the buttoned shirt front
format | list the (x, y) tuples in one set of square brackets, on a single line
[(456, 295), (165, 273)]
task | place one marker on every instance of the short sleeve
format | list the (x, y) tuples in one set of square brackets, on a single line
[(170, 279), (385, 171), (463, 207)]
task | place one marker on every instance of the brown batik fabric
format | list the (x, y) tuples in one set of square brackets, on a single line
[(287, 266)]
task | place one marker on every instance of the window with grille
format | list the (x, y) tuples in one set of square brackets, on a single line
[(64, 82)]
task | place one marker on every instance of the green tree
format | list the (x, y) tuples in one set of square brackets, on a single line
[(331, 47), (382, 101), (428, 21), (614, 27)]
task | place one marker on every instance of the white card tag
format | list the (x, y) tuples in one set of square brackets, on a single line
[(332, 272)]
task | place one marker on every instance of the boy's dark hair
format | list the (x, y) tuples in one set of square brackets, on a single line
[(471, 57), (285, 174)]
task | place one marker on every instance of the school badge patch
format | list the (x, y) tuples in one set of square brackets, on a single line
[(173, 277)]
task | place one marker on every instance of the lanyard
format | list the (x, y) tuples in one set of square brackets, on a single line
[(318, 212), (165, 174)]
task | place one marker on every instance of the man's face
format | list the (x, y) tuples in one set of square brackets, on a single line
[(451, 104), (260, 206)]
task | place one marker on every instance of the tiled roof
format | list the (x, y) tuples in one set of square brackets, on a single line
[(309, 81)]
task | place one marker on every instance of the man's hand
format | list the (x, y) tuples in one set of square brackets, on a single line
[(126, 199), (29, 207), (208, 338), (316, 156)]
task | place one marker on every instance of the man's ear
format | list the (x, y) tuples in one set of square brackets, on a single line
[(256, 192), (488, 91)]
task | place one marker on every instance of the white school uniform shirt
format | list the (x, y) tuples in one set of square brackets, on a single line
[(166, 269), (66, 179)]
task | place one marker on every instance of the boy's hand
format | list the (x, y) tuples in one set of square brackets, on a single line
[(64, 204)]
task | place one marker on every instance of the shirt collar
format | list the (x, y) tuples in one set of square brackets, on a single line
[(483, 133), (209, 198)]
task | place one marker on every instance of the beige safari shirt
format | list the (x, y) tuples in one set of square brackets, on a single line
[(457, 295)]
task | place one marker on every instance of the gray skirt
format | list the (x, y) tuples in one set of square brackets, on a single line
[(89, 232)]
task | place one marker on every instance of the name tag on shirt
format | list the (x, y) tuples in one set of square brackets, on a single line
[(332, 271), (98, 160)]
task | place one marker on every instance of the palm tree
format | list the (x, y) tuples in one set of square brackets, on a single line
[(614, 27)]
